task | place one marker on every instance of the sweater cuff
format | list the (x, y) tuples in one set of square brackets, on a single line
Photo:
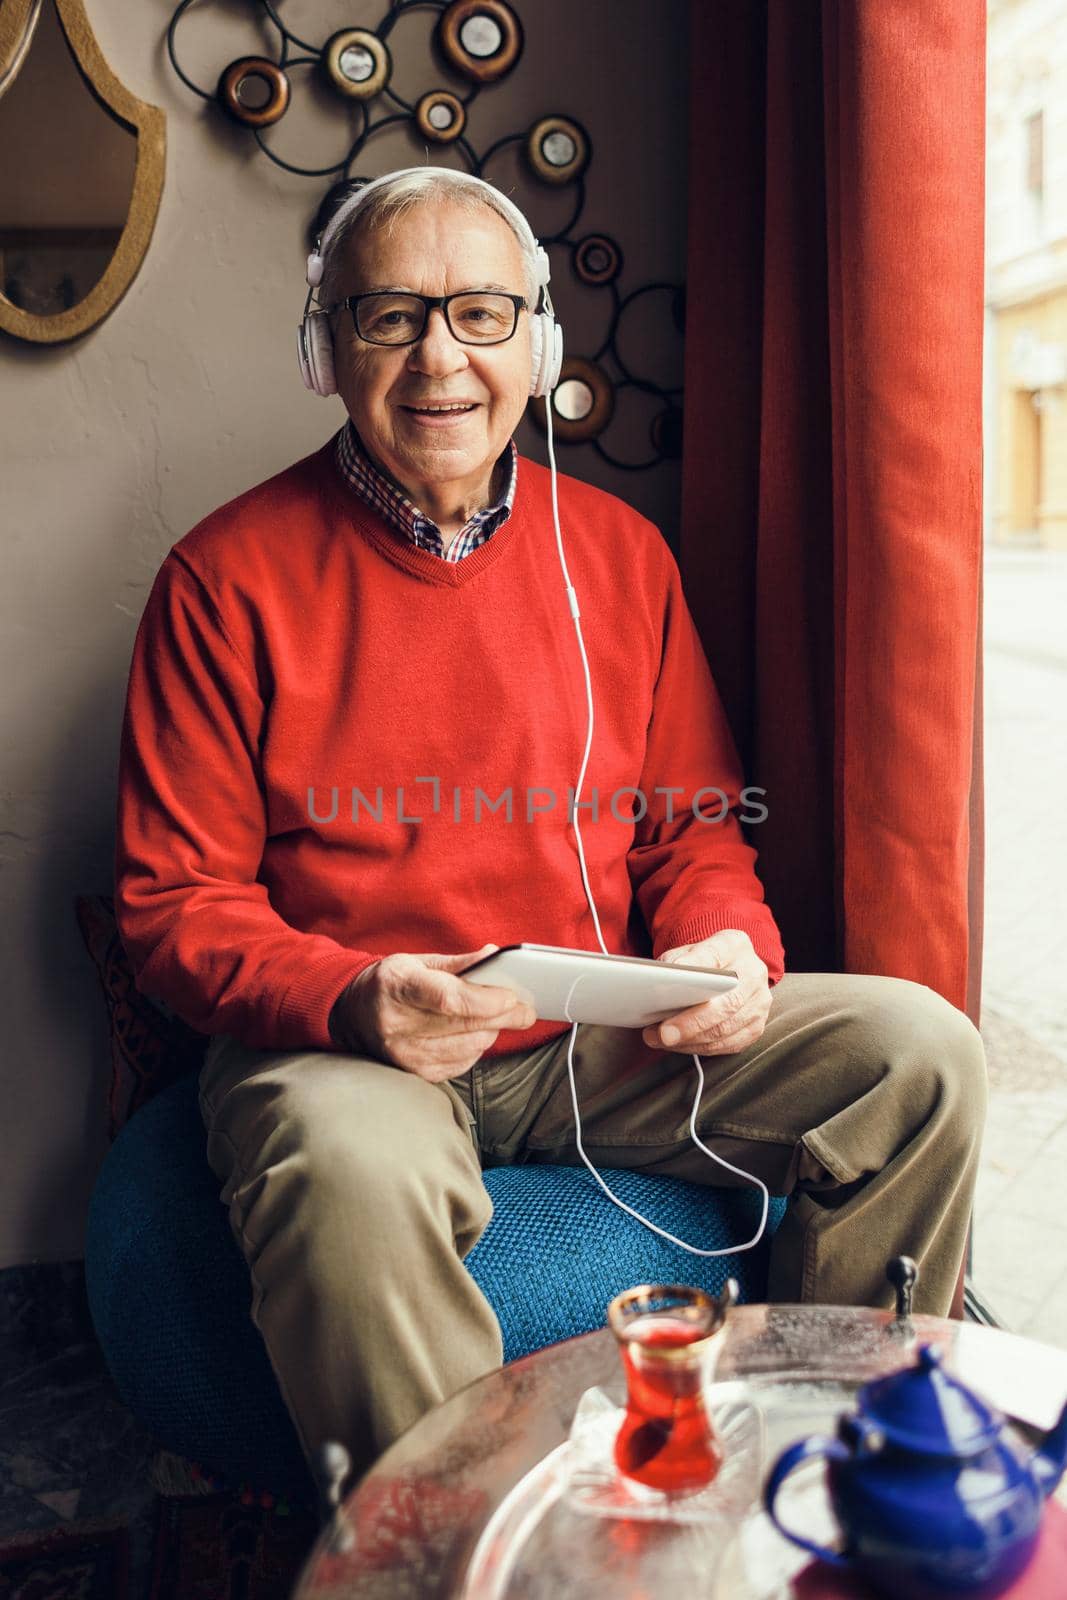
[(304, 1011), (762, 930)]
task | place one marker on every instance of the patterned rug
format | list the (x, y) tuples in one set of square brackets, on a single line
[(90, 1562), (225, 1546), (90, 1507)]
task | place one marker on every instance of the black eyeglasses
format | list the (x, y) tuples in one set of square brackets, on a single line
[(473, 316)]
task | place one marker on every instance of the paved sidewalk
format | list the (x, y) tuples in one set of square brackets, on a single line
[(1020, 1251)]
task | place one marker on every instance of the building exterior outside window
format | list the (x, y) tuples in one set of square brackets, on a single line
[(1026, 274)]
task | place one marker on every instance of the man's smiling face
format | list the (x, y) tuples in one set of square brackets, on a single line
[(444, 464)]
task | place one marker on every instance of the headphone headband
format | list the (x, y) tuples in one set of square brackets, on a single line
[(317, 259)]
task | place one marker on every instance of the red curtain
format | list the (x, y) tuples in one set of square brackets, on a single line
[(831, 516)]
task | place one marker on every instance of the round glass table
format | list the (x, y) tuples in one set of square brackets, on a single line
[(480, 1500)]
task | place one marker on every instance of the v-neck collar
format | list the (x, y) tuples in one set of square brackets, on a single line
[(421, 564)]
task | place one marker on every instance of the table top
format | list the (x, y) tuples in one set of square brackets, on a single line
[(468, 1504)]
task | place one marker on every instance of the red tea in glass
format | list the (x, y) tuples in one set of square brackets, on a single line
[(669, 1336)]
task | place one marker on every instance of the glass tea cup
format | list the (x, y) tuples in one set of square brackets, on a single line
[(670, 1336)]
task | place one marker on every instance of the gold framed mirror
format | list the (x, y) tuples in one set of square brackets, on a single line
[(91, 258)]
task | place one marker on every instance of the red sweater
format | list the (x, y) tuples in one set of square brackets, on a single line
[(293, 643)]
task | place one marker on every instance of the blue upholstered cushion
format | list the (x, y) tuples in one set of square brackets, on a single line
[(557, 1251), (169, 1290)]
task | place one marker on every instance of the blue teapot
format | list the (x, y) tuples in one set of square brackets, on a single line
[(934, 1494)]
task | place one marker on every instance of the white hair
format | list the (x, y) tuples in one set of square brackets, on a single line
[(393, 199)]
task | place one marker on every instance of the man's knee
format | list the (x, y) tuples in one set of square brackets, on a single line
[(378, 1120), (359, 1139), (931, 1049)]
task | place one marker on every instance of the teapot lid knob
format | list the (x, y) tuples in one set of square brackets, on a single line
[(903, 1274)]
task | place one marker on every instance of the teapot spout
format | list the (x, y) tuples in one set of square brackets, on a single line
[(1050, 1458)]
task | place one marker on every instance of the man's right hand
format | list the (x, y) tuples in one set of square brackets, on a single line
[(416, 1012)]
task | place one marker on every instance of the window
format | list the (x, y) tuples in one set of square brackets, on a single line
[(1035, 154)]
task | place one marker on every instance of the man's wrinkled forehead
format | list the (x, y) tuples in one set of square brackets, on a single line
[(389, 253)]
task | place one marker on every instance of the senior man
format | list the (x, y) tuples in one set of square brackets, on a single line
[(338, 679)]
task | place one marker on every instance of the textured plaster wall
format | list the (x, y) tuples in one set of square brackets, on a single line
[(114, 446)]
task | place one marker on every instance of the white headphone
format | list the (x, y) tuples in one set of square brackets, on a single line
[(315, 342)]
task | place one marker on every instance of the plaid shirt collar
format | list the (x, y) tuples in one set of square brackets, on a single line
[(364, 478)]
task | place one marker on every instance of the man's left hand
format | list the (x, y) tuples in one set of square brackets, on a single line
[(728, 1022)]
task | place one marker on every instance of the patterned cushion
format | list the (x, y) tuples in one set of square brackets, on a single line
[(150, 1046)]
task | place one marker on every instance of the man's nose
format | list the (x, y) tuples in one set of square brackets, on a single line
[(436, 350)]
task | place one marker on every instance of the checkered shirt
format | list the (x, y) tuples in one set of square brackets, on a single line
[(364, 478)]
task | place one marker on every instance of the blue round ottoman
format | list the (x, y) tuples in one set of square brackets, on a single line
[(169, 1289)]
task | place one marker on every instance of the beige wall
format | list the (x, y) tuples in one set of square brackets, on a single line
[(114, 446)]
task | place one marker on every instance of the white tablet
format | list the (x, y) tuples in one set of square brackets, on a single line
[(588, 986)]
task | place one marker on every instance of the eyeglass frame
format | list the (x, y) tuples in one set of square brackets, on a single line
[(429, 303)]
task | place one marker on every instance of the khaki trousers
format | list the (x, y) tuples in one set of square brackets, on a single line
[(354, 1188)]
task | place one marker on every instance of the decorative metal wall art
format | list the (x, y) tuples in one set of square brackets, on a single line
[(481, 41)]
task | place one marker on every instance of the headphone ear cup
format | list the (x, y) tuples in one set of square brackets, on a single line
[(302, 355), (322, 356), (537, 344), (546, 348), (556, 358), (315, 348)]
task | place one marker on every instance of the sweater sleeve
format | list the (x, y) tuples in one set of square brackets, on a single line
[(694, 877), (199, 929)]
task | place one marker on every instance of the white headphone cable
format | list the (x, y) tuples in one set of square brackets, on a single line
[(730, 1250)]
